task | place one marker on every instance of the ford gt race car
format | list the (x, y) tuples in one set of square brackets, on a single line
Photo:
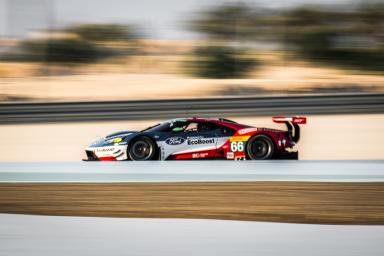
[(200, 138)]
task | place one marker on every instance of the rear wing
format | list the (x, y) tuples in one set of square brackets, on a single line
[(292, 124)]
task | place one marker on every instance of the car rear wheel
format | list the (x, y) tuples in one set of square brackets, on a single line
[(260, 147), (142, 148)]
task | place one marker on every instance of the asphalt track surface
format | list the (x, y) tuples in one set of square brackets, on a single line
[(191, 171), (22, 235), (196, 194), (224, 106)]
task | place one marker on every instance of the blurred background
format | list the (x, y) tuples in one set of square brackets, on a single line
[(107, 50), (68, 50), (72, 71)]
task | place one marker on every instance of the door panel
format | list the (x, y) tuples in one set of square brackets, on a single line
[(193, 141), (197, 140), (198, 145)]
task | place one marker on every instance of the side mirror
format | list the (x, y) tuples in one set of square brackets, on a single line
[(178, 129)]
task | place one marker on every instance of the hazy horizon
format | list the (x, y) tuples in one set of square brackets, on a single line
[(157, 19)]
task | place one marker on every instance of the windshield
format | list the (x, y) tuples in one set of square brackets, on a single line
[(167, 126)]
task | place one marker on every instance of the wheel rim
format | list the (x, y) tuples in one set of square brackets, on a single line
[(260, 149), (141, 150)]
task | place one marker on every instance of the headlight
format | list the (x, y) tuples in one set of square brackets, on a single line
[(115, 140)]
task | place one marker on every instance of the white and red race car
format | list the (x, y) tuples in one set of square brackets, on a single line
[(200, 138)]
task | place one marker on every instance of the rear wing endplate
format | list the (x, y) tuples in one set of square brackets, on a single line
[(292, 123)]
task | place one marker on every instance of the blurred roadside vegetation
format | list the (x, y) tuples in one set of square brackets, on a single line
[(344, 38), (234, 38), (223, 56), (349, 39), (220, 62), (79, 44)]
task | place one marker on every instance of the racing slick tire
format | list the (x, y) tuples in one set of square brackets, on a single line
[(142, 148), (260, 147)]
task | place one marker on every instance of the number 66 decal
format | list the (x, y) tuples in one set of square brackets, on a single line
[(237, 146)]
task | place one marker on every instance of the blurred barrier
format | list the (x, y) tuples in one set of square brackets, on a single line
[(227, 106)]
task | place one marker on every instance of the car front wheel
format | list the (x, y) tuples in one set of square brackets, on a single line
[(142, 148)]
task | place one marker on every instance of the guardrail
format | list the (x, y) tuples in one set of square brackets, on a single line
[(226, 106)]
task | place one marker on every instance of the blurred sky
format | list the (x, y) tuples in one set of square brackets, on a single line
[(163, 19)]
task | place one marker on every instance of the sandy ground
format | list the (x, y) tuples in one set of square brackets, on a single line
[(332, 137), (123, 86)]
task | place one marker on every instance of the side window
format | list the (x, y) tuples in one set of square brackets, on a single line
[(191, 127), (172, 126), (226, 131), (200, 127), (178, 126), (207, 127)]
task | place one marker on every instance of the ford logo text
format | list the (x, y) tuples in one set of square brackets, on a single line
[(174, 141)]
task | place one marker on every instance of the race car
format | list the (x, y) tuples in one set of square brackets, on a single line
[(200, 138)]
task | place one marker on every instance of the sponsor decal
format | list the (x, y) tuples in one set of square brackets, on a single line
[(105, 149), (237, 146), (230, 155), (299, 120), (199, 155), (173, 141), (247, 130), (239, 138), (162, 152), (269, 130), (200, 140)]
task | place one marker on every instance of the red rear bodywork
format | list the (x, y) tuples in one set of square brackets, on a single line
[(234, 147)]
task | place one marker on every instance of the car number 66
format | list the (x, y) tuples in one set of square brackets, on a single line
[(237, 146)]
